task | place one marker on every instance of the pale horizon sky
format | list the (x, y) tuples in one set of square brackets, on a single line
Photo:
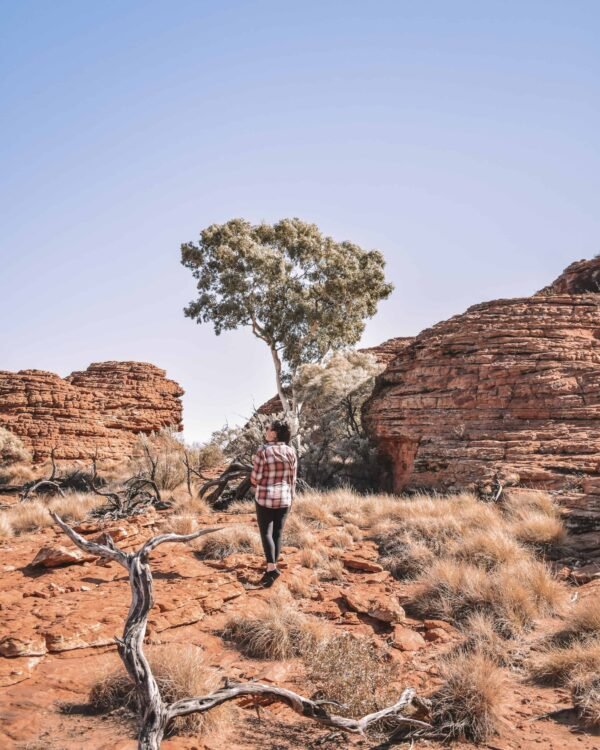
[(460, 139)]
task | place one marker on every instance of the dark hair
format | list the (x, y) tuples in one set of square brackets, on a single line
[(282, 429)]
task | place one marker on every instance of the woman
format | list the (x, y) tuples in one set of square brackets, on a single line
[(274, 478)]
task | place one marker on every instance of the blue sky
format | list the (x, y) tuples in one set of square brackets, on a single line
[(459, 138)]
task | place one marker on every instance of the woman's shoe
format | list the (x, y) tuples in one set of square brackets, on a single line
[(269, 578)]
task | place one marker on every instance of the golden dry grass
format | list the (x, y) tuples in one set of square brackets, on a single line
[(471, 702), (585, 691), (582, 621), (229, 541), (33, 515), (280, 631), (555, 665), (179, 524), (312, 558), (482, 636), (6, 529), (513, 596), (341, 539), (297, 533), (354, 671), (181, 672), (313, 508), (300, 587)]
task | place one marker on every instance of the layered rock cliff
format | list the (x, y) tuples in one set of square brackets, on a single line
[(97, 411), (510, 387)]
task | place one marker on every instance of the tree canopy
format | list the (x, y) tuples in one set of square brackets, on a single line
[(303, 293)]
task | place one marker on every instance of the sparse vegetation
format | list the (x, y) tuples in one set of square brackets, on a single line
[(33, 515), (281, 631), (227, 542), (180, 672), (470, 703), (356, 672), (513, 596)]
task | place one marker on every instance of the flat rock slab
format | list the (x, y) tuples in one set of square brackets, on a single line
[(378, 604), (56, 556)]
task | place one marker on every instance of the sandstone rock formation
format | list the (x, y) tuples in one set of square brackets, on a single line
[(509, 387), (99, 410)]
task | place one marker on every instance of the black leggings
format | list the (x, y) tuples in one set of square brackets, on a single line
[(270, 523)]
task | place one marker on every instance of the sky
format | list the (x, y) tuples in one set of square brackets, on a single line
[(459, 138)]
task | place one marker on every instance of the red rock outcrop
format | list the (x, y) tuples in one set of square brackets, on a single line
[(97, 411), (509, 387)]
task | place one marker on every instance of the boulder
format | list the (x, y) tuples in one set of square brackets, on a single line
[(406, 639), (57, 555), (508, 389), (377, 604), (95, 412)]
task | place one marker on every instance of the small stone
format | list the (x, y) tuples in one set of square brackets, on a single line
[(406, 639), (436, 634), (359, 563)]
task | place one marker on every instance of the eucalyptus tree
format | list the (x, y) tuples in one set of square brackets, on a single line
[(304, 294)]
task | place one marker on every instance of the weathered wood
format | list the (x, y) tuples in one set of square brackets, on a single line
[(154, 714)]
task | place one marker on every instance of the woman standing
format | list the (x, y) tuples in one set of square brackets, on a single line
[(273, 475)]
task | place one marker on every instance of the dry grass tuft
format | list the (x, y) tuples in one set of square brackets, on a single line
[(341, 539), (33, 515), (481, 636), (313, 508), (405, 557), (179, 524), (512, 596), (331, 570), (356, 672), (281, 631), (227, 542), (180, 672), (191, 506), (470, 704), (489, 549), (6, 529), (556, 665), (300, 587), (582, 622), (585, 691), (312, 558), (297, 533)]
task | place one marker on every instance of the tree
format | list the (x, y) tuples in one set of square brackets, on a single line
[(302, 293), (338, 450)]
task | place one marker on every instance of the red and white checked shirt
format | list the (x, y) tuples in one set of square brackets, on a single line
[(274, 475)]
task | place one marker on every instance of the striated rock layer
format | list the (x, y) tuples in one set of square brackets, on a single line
[(97, 411), (510, 387)]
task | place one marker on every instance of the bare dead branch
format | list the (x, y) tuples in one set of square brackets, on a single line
[(155, 715)]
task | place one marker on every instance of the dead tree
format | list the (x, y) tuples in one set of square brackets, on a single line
[(136, 495), (50, 483), (154, 714), (237, 470), (189, 469)]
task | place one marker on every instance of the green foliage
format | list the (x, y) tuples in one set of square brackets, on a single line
[(337, 449), (302, 293)]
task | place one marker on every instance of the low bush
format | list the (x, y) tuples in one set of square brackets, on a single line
[(227, 542), (280, 631), (512, 596), (354, 671), (181, 672), (470, 703)]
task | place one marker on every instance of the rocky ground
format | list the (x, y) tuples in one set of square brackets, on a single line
[(59, 618)]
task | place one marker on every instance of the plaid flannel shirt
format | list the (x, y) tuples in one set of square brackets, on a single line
[(274, 475)]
